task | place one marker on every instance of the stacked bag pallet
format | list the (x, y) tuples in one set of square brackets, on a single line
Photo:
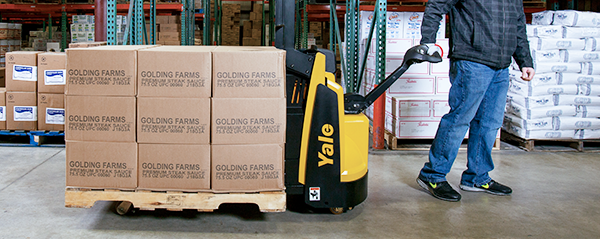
[(417, 101), (252, 28), (176, 118), (230, 26), (563, 99)]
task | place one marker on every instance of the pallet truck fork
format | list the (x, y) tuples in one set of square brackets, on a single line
[(326, 155)]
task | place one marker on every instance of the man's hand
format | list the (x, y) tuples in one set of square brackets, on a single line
[(528, 73), (432, 48)]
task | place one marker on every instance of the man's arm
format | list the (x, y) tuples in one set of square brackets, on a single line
[(431, 18), (522, 54)]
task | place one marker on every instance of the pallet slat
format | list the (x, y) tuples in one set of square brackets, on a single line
[(552, 145), (22, 138), (175, 201), (421, 144)]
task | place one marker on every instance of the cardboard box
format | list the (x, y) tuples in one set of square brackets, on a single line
[(87, 44), (21, 73), (162, 19), (442, 85), (174, 19), (169, 28), (168, 36), (173, 120), (52, 73), (106, 70), (442, 68), (2, 77), (172, 43), (175, 71), (248, 72), (101, 164), (416, 128), (248, 121), (100, 118), (21, 110), (174, 167), (51, 112), (413, 84), (247, 168), (2, 108)]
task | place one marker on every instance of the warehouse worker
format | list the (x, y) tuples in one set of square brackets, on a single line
[(485, 34)]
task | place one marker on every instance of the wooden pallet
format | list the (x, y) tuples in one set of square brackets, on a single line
[(174, 201), (421, 144), (552, 145), (24, 138)]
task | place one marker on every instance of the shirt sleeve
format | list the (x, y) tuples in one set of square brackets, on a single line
[(522, 54), (434, 11)]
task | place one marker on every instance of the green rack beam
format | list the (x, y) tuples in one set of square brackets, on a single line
[(111, 22)]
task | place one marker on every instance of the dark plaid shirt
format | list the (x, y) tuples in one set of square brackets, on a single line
[(483, 31)]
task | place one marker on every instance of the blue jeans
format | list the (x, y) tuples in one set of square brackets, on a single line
[(477, 100)]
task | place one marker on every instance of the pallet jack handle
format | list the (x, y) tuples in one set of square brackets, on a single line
[(355, 103)]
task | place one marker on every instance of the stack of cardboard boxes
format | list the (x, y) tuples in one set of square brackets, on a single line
[(203, 118), (101, 114), (315, 34), (169, 30), (82, 28), (21, 86), (51, 91), (173, 133), (252, 29), (230, 28), (34, 95), (248, 118)]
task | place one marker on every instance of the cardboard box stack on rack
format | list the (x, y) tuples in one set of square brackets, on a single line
[(169, 30), (10, 39), (563, 99), (417, 101), (176, 118), (230, 26), (315, 34), (252, 28)]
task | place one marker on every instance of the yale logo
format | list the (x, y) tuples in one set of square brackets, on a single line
[(327, 148)]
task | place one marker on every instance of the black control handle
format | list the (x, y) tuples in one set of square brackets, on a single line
[(355, 103)]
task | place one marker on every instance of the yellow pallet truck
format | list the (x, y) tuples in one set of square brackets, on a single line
[(326, 156)]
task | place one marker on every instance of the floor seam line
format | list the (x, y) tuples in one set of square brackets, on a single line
[(19, 178)]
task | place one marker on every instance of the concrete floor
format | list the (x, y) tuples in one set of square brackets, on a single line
[(556, 195)]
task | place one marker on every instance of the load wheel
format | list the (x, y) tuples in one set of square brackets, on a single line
[(337, 210), (124, 207)]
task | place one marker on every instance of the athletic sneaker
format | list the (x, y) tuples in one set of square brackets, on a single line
[(492, 187), (441, 190)]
